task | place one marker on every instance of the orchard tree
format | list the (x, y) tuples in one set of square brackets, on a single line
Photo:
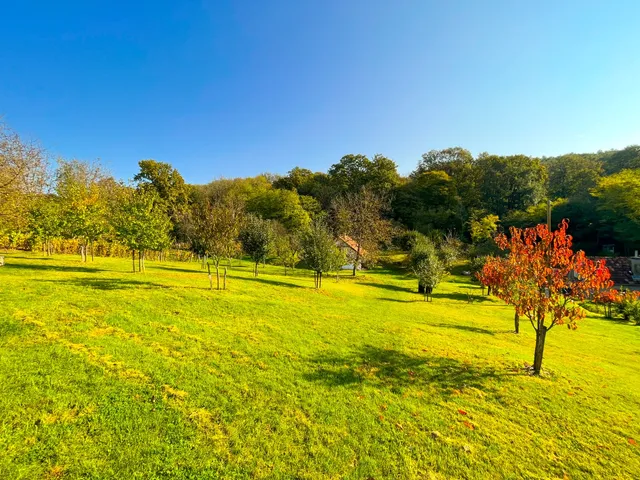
[(287, 246), (319, 251), (142, 224), (547, 279), (256, 236), (45, 222), (427, 265), (84, 207), (214, 230), (360, 216)]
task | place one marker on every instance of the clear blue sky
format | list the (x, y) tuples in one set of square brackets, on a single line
[(236, 88)]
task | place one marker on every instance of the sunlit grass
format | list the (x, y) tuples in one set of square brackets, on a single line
[(110, 374)]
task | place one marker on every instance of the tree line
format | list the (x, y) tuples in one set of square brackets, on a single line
[(282, 218)]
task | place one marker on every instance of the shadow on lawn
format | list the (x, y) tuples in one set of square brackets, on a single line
[(269, 281), (465, 328), (108, 283), (53, 268), (386, 286), (394, 369)]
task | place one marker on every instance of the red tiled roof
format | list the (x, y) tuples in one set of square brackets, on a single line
[(351, 243)]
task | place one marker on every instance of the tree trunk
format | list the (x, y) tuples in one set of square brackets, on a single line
[(133, 260), (540, 338), (224, 284), (421, 288), (489, 290), (255, 269), (144, 268), (210, 278), (217, 276), (516, 322), (139, 261)]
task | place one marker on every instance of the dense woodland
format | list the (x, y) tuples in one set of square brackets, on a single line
[(73, 205)]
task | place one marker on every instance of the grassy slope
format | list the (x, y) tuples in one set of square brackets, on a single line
[(107, 374)]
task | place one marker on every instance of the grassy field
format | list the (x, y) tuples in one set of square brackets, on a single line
[(110, 374)]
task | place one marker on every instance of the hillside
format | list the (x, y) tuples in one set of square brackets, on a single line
[(110, 374)]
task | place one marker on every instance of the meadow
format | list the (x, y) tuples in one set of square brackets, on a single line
[(109, 374)]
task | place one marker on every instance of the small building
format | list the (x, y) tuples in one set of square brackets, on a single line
[(350, 248), (625, 271)]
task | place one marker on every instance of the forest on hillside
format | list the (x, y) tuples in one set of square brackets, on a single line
[(62, 204)]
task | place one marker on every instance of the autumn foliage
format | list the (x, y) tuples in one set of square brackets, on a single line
[(544, 279)]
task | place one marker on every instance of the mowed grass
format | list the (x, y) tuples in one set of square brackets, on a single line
[(109, 374)]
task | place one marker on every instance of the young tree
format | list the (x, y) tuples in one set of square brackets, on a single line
[(142, 224), (213, 231), (256, 237), (45, 222), (84, 207), (427, 265), (549, 278), (319, 251), (287, 246), (360, 216)]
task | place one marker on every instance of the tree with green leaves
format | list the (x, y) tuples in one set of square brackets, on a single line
[(619, 203), (142, 224), (213, 232), (510, 183), (572, 175), (45, 222), (84, 207), (287, 246), (427, 266), (256, 237), (319, 250), (353, 172), (167, 182), (360, 215), (429, 201), (281, 205)]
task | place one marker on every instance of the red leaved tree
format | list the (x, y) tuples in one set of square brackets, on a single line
[(544, 279)]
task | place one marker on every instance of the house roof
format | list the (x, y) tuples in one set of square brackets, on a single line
[(351, 243), (620, 268)]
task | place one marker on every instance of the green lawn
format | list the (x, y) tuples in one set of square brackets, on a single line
[(110, 374)]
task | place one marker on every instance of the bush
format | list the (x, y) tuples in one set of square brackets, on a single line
[(629, 306)]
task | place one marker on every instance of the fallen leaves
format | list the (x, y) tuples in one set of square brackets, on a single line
[(632, 442), (469, 425), (462, 412)]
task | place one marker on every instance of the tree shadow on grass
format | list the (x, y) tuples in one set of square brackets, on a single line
[(461, 296), (107, 283), (268, 281), (52, 268), (179, 269), (397, 300), (395, 370), (465, 328), (387, 286)]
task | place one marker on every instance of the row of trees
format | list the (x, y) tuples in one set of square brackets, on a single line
[(360, 197)]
